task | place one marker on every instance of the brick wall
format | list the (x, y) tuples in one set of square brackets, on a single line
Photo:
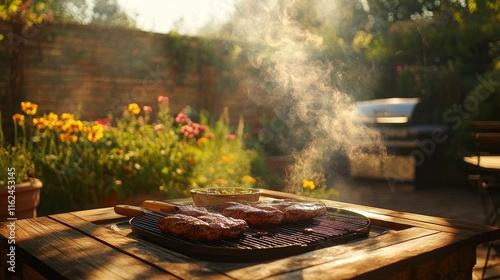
[(97, 70)]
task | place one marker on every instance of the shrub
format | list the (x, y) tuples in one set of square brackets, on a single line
[(80, 163)]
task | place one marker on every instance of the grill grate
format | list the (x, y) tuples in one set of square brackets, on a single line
[(336, 227)]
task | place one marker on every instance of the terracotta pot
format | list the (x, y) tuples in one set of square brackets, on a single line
[(24, 203)]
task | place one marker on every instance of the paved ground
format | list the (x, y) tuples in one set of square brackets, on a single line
[(461, 204)]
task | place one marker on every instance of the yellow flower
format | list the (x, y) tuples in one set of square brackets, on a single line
[(225, 159), (306, 184), (96, 133), (230, 171), (72, 126), (52, 117), (40, 123), (29, 107), (134, 108), (19, 119), (66, 137), (67, 117), (248, 179)]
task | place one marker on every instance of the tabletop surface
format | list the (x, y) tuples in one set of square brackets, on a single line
[(99, 243), (489, 162)]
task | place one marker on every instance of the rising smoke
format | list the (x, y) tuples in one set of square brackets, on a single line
[(301, 88)]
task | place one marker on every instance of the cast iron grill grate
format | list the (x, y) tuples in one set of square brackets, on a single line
[(336, 227)]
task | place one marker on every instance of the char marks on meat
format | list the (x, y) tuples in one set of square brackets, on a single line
[(204, 227), (294, 211), (254, 216), (192, 211)]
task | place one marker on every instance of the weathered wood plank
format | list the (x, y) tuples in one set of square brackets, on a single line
[(420, 253), (321, 256), (177, 264), (68, 253), (99, 216)]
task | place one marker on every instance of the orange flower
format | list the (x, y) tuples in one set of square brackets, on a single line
[(29, 107), (96, 133), (134, 108), (201, 141), (66, 137), (19, 119)]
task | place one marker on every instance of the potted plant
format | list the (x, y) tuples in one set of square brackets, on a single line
[(19, 190)]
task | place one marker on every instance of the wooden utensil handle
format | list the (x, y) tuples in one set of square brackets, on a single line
[(129, 210), (159, 206)]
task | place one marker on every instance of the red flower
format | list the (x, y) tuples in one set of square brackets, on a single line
[(104, 121), (256, 121), (230, 137)]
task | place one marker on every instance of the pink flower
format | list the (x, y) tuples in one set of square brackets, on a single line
[(147, 109), (202, 128), (399, 68), (181, 118), (192, 129), (230, 137), (209, 135), (158, 127), (163, 100)]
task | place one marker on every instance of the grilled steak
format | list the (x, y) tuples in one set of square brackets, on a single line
[(294, 211), (206, 227), (291, 211), (192, 211), (254, 216)]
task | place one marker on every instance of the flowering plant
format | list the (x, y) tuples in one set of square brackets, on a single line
[(16, 162), (323, 192), (81, 162)]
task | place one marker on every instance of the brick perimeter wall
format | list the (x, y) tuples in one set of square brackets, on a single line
[(97, 70)]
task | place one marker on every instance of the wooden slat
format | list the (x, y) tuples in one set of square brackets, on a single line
[(321, 256), (68, 253), (100, 215), (174, 263), (378, 264)]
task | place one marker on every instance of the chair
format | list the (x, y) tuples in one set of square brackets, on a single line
[(485, 172)]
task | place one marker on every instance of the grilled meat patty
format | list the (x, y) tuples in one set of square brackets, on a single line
[(205, 227), (254, 216), (294, 211), (192, 211), (280, 211)]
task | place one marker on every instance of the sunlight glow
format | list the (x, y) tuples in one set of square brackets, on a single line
[(187, 16)]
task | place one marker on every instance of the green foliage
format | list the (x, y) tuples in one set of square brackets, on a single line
[(26, 13), (81, 163), (109, 13), (188, 54)]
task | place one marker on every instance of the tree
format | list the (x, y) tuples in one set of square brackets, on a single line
[(109, 13)]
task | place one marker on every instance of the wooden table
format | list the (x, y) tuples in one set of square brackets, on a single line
[(92, 245)]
